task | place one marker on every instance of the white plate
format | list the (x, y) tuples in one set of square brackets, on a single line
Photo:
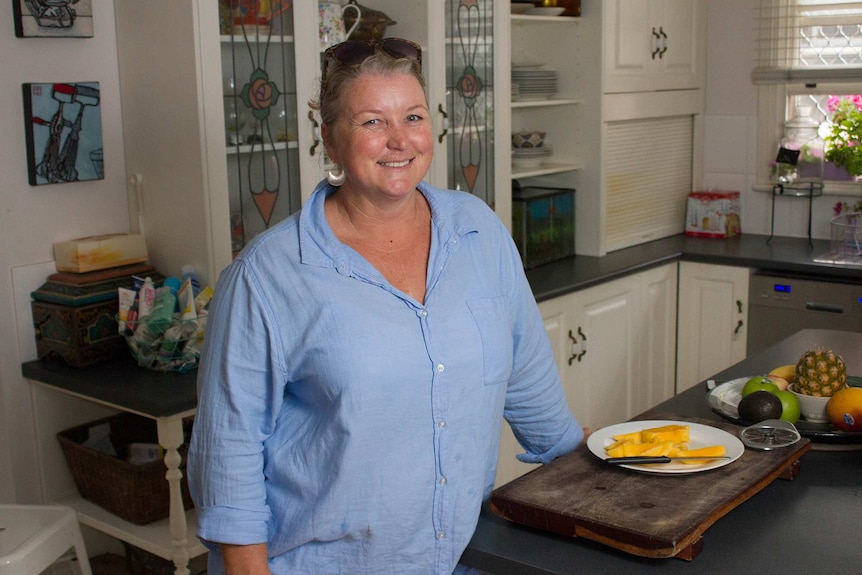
[(545, 11), (699, 436)]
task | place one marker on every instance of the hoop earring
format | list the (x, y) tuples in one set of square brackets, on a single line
[(336, 176)]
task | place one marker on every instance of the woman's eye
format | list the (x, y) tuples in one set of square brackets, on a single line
[(414, 118)]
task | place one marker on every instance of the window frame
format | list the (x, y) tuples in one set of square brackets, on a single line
[(774, 92)]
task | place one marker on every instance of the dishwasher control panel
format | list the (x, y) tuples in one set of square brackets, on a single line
[(779, 306)]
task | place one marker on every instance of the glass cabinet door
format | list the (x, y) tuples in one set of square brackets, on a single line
[(470, 96), (260, 114)]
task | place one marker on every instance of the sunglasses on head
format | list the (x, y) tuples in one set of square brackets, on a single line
[(353, 53)]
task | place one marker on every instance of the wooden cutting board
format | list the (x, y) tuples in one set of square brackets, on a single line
[(646, 514)]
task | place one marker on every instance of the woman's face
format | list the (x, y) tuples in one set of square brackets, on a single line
[(382, 138)]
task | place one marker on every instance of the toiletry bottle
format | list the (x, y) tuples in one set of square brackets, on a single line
[(146, 299), (189, 274), (162, 314)]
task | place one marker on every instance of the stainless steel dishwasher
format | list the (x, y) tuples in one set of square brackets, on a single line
[(779, 306)]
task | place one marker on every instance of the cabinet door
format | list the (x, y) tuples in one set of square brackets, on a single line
[(713, 312), (657, 336), (653, 45), (683, 24), (629, 45), (605, 379), (260, 110)]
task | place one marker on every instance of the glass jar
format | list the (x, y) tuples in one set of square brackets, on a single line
[(800, 156)]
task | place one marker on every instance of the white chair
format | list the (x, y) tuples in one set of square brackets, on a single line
[(33, 537)]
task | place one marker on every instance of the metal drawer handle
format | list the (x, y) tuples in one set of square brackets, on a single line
[(829, 308), (575, 344)]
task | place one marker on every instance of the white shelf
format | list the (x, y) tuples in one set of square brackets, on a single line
[(534, 18), (239, 39), (154, 537), (543, 170), (246, 148), (546, 103)]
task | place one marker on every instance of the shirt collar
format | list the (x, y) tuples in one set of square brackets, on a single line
[(319, 246)]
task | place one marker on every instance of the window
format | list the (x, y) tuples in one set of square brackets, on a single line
[(808, 51)]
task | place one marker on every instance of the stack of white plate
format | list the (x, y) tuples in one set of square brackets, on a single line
[(531, 157), (534, 83)]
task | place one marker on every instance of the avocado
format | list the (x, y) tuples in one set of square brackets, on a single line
[(760, 405)]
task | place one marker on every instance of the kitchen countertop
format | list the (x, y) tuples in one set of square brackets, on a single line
[(782, 255), (790, 527)]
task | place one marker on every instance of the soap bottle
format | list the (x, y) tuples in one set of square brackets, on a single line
[(162, 313)]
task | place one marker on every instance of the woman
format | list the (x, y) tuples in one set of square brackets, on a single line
[(361, 354)]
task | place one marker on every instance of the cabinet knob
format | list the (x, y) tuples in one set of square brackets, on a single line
[(738, 327)]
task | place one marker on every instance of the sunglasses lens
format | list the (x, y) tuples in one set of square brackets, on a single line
[(352, 52), (398, 48)]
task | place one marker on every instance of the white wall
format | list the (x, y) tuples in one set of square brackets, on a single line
[(730, 126), (32, 218)]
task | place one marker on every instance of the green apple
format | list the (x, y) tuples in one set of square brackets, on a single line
[(758, 383), (790, 408)]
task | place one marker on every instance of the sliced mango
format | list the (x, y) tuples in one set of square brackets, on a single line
[(634, 436), (662, 448), (709, 451), (674, 433)]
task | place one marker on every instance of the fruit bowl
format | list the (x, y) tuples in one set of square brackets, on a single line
[(812, 408)]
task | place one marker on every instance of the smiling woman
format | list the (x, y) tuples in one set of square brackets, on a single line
[(360, 354)]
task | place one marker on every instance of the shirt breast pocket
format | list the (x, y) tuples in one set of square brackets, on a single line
[(492, 321)]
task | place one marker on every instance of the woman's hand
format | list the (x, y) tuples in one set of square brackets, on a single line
[(245, 559)]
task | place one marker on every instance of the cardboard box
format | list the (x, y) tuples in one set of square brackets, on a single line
[(713, 214), (99, 252)]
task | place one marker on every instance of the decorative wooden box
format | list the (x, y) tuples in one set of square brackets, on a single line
[(75, 315), (81, 336)]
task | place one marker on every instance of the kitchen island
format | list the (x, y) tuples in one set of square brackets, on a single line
[(802, 526)]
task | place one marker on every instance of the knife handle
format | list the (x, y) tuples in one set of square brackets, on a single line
[(638, 459)]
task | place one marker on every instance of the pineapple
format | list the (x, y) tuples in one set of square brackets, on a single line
[(820, 373)]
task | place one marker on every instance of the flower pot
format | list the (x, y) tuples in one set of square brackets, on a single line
[(834, 172)]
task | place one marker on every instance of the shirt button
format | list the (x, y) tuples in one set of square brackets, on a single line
[(441, 424), (442, 481), (440, 367), (441, 535), (423, 313)]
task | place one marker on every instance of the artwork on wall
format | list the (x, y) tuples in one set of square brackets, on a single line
[(53, 18), (63, 125)]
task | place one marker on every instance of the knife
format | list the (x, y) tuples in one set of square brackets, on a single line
[(640, 459)]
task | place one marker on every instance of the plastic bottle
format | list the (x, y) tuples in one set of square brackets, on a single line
[(146, 299), (162, 313), (190, 274)]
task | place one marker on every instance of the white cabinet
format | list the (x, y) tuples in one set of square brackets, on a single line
[(203, 175), (615, 346), (654, 45), (713, 316)]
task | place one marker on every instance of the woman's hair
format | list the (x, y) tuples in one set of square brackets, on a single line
[(339, 76)]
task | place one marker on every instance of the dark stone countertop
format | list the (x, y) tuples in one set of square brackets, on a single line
[(790, 527), (782, 255)]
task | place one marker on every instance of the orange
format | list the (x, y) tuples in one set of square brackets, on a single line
[(845, 409)]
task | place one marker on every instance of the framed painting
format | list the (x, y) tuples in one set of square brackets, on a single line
[(63, 123), (53, 18)]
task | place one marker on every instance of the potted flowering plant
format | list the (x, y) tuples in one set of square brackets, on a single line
[(844, 142)]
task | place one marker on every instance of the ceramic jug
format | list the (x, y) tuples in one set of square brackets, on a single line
[(331, 21)]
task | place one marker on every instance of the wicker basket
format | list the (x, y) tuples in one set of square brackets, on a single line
[(137, 493)]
